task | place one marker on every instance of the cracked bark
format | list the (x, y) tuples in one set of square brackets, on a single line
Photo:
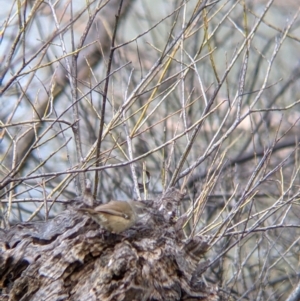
[(71, 258)]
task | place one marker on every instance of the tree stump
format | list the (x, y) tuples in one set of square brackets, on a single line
[(71, 258)]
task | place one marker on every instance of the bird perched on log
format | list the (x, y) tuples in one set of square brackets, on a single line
[(115, 216)]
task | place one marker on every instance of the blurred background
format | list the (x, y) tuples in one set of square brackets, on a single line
[(139, 96)]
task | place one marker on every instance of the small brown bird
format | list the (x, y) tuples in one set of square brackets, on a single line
[(115, 216)]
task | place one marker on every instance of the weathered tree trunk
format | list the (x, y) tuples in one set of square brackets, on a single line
[(72, 258)]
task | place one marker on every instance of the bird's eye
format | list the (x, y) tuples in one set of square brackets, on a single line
[(125, 216)]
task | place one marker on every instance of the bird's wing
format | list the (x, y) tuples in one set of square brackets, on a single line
[(112, 212)]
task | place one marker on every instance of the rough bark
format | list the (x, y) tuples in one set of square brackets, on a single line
[(72, 258)]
